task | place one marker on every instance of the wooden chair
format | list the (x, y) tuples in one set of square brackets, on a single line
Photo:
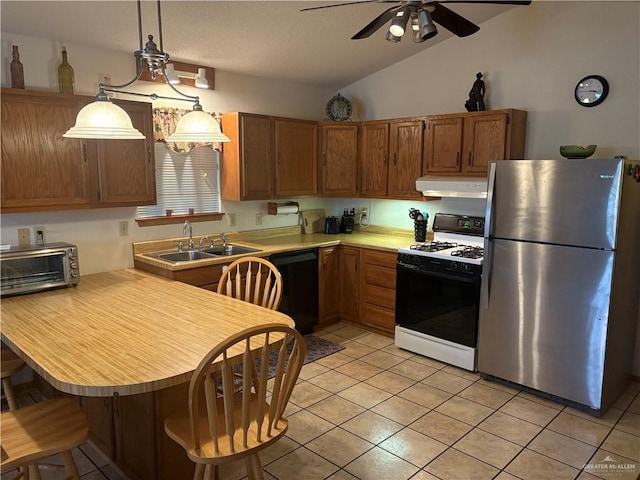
[(253, 280), (10, 363), (31, 434), (228, 418)]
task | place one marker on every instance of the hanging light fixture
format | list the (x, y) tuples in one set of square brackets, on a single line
[(103, 119)]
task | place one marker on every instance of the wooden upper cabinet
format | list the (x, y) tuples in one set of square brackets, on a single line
[(339, 159), (42, 170), (465, 143), (374, 159), (405, 147), (247, 168), (296, 148), (127, 173)]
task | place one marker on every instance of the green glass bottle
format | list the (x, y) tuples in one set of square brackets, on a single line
[(66, 82)]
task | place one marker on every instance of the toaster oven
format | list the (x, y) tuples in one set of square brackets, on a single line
[(32, 268)]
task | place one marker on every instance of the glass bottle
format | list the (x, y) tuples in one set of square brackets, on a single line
[(66, 82), (17, 71)]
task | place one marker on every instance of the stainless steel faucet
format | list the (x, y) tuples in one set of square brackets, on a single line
[(185, 227), (223, 236)]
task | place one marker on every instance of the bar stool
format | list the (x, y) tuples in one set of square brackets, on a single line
[(10, 363)]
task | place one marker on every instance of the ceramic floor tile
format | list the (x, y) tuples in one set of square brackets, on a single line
[(336, 409), (374, 340), (113, 473), (305, 394), (397, 351), (334, 360), (633, 387), (510, 428), (372, 427), (634, 406), (609, 466), (608, 419), (82, 462), (422, 475), (487, 447), (461, 372), (356, 350), (579, 428), (583, 476), (364, 395), (562, 448), (541, 400), (96, 456), (447, 382), (498, 386), (342, 475), (382, 359), (530, 465), (279, 449), (624, 444), (454, 465), (441, 427), (339, 446), (95, 475), (464, 410), (332, 337), (429, 362), (378, 464), (400, 410), (425, 395), (350, 333), (301, 464), (414, 447), (630, 423), (311, 370), (530, 411), (390, 382), (359, 370), (333, 381), (624, 401), (505, 476), (413, 370), (489, 397), (305, 426)]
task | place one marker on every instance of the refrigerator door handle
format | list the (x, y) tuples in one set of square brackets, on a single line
[(488, 257)]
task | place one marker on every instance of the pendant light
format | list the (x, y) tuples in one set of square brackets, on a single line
[(103, 119)]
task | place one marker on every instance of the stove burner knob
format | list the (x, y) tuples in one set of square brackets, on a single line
[(454, 266), (465, 267)]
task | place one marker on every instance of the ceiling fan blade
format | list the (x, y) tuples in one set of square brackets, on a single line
[(347, 3), (453, 22), (506, 2), (376, 23)]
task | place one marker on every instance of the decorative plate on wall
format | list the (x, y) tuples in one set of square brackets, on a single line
[(338, 108)]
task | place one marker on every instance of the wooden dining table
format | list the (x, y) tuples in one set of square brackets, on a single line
[(131, 338)]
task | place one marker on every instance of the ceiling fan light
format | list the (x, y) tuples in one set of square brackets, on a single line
[(103, 120), (399, 22), (427, 28), (201, 79), (198, 126), (392, 38)]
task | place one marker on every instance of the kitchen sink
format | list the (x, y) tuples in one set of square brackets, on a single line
[(183, 256), (229, 250)]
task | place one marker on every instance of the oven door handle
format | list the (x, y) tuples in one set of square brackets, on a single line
[(413, 269)]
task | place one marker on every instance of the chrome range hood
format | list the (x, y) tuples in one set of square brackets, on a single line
[(460, 187)]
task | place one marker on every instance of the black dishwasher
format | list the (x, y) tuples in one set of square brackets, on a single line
[(299, 272)]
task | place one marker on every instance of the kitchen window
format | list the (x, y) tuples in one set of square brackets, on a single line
[(184, 181)]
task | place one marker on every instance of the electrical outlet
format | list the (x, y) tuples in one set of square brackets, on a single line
[(38, 234), (123, 229), (258, 218), (23, 236), (364, 212), (232, 219)]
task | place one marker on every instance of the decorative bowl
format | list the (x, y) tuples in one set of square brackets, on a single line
[(577, 151)]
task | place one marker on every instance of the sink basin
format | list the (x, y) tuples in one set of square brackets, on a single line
[(183, 256), (229, 250)]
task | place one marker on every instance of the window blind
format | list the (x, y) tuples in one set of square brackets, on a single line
[(184, 181)]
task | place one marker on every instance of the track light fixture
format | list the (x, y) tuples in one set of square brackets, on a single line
[(103, 119)]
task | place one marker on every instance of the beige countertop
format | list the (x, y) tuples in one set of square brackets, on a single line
[(279, 240), (125, 331)]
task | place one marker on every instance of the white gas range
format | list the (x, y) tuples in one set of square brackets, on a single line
[(438, 292)]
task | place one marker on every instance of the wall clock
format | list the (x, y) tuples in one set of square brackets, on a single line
[(338, 108), (592, 90)]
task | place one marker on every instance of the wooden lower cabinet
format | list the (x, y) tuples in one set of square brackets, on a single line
[(378, 289), (328, 285), (349, 283)]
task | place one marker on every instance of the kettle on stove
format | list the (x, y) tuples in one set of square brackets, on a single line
[(331, 225)]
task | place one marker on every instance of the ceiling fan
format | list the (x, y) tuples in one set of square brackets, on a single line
[(422, 15)]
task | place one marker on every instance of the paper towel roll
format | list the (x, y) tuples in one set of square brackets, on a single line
[(285, 209)]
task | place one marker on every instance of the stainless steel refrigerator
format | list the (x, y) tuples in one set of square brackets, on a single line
[(561, 278)]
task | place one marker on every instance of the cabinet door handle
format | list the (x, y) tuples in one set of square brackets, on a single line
[(357, 262), (469, 158), (458, 160), (324, 159), (148, 154), (278, 158), (384, 159), (395, 159), (84, 152)]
